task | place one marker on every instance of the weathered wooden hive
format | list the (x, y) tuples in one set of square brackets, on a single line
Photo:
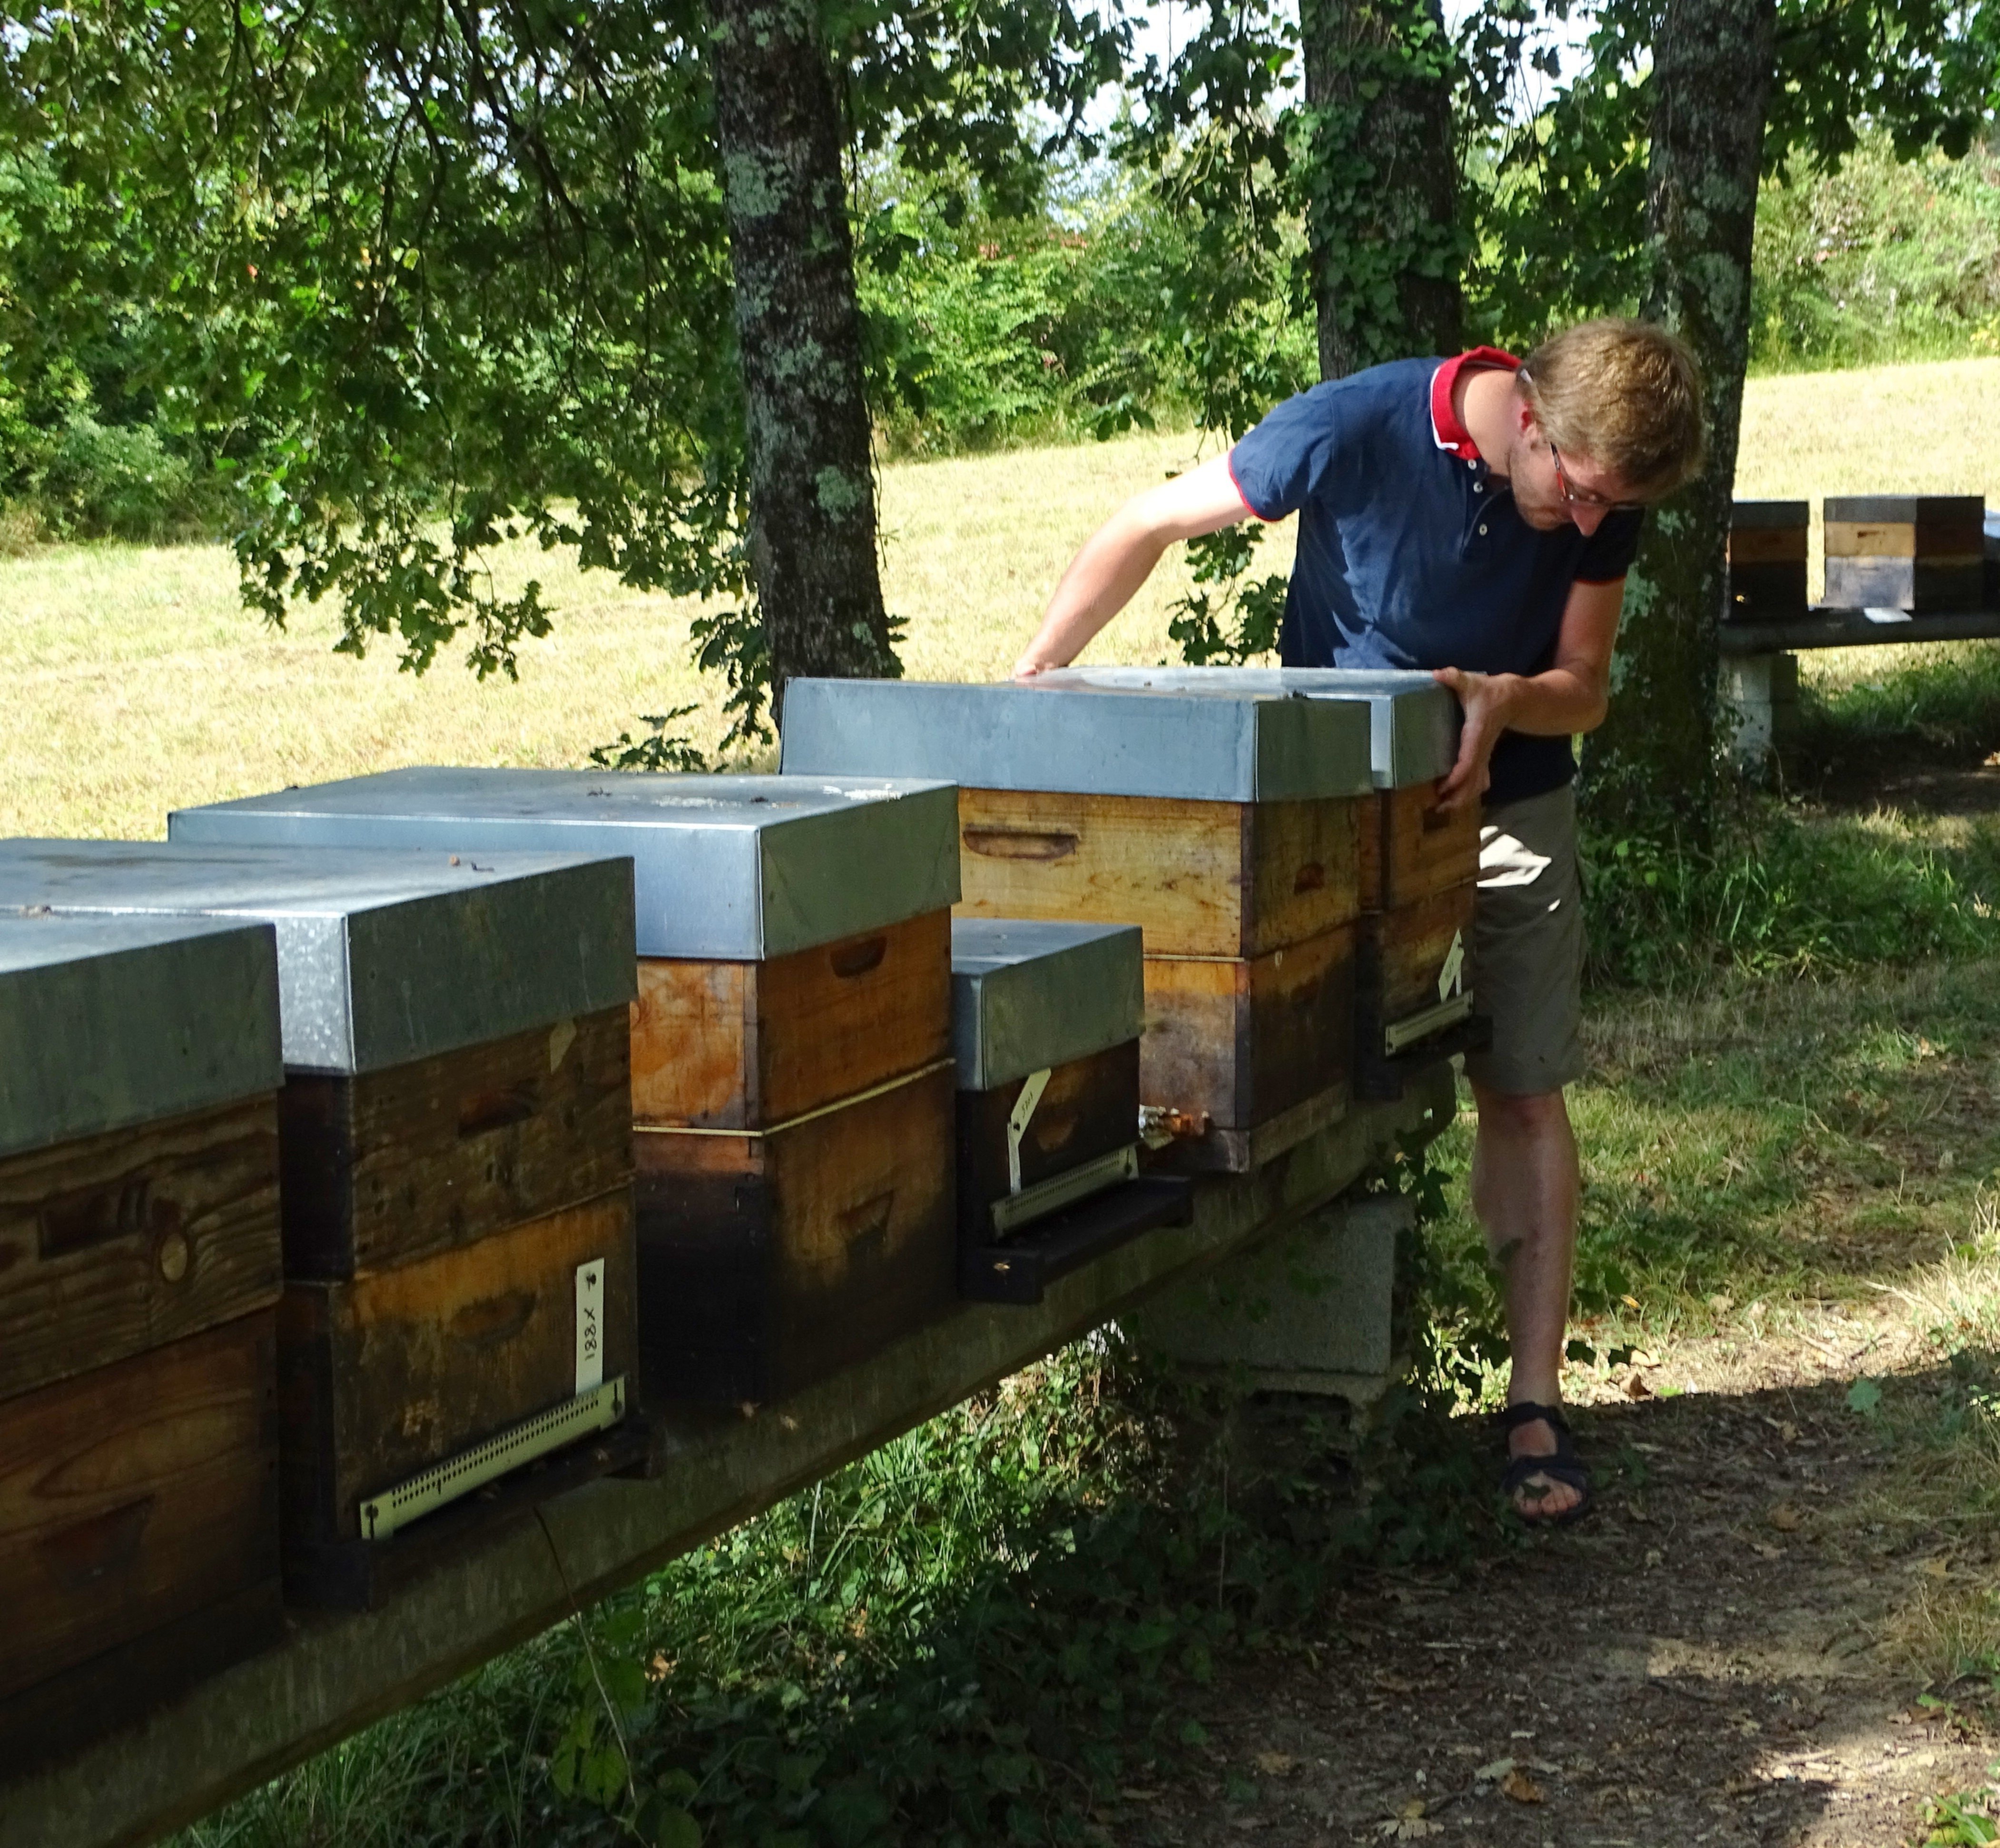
[(1419, 864), (1045, 1023), (1226, 828), (1767, 560), (1919, 552), (139, 1282), (454, 1134), (791, 1089)]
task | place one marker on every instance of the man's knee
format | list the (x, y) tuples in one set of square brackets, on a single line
[(1528, 1115)]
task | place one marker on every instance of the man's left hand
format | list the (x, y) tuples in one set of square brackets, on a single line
[(1488, 699)]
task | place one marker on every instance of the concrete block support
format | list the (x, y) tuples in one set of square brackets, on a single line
[(1761, 692), (1309, 1310)]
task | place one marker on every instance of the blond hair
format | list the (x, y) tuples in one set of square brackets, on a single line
[(1625, 394)]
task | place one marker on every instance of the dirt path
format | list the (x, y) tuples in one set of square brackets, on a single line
[(1707, 1660)]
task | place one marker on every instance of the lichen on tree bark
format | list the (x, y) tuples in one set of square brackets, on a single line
[(812, 540), (1655, 755)]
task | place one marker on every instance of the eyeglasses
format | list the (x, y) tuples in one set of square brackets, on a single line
[(1595, 502)]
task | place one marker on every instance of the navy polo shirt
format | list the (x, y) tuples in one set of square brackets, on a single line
[(1410, 554)]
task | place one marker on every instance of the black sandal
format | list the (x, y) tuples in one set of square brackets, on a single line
[(1564, 1465)]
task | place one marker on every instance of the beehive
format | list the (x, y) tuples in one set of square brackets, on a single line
[(1767, 561), (792, 1088), (139, 1279), (1226, 828), (1919, 552), (454, 1137), (1046, 1025)]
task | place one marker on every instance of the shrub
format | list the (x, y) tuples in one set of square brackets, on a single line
[(96, 481)]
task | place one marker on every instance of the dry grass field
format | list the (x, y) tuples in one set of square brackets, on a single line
[(139, 683)]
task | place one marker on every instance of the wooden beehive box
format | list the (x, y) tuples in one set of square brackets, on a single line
[(1226, 828), (455, 1141), (1920, 552), (1046, 1024), (791, 1100), (139, 1278), (1767, 560)]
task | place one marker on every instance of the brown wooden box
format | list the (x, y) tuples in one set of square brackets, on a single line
[(1922, 553), (767, 1260), (1411, 849), (385, 1373), (1208, 879), (1090, 1108), (117, 1244), (1241, 1041), (392, 1167), (1767, 561), (1411, 974), (138, 1534), (749, 1045)]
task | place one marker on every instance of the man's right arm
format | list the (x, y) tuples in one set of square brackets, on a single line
[(1119, 556)]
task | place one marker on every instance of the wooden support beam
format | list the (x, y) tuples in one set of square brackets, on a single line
[(333, 1675)]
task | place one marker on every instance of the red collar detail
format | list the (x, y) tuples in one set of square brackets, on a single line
[(1445, 426)]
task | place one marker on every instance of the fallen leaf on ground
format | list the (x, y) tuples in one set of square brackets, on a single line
[(1765, 1552), (1139, 1796), (1637, 1388), (1522, 1788), (1784, 1517), (1492, 1773), (1274, 1764), (1936, 1567)]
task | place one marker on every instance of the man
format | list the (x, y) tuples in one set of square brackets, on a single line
[(1476, 517)]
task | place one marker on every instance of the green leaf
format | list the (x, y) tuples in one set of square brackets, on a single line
[(1865, 1397)]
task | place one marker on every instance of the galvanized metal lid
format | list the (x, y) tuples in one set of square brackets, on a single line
[(1263, 747), (383, 957), (730, 868), (1025, 994), (106, 1023), (1412, 721)]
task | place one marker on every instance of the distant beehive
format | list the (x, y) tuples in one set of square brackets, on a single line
[(457, 1219), (1767, 561), (1923, 553), (792, 1091), (139, 1281)]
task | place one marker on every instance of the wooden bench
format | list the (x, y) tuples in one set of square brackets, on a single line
[(1759, 675)]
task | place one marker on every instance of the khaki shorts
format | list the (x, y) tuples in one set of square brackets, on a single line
[(1527, 946)]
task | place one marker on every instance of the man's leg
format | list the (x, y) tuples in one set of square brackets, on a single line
[(1527, 965), (1525, 1183)]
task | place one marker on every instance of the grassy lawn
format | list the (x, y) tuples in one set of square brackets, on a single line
[(137, 683), (1044, 1617)]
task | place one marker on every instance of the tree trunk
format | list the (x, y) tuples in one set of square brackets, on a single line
[(812, 539), (1383, 182), (1652, 764)]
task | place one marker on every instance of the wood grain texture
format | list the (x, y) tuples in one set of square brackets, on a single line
[(1402, 954), (1090, 1107), (1414, 848), (1221, 879), (1767, 545), (387, 1373), (117, 1244), (390, 1168), (135, 1494), (766, 1263), (1243, 1040), (718, 1045), (1942, 541)]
